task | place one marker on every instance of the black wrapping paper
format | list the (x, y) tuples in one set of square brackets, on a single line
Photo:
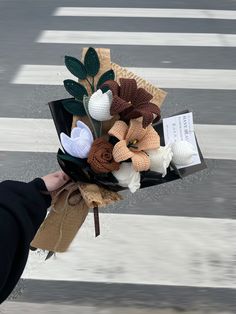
[(79, 170)]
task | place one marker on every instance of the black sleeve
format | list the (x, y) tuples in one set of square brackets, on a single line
[(23, 207)]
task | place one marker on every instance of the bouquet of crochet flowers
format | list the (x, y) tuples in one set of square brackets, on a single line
[(111, 140)]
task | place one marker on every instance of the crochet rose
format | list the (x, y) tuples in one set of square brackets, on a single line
[(100, 157), (133, 141), (131, 102), (160, 159), (128, 177)]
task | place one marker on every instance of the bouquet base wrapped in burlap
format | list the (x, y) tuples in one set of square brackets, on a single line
[(70, 207)]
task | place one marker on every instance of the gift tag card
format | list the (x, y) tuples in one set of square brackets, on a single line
[(180, 128)]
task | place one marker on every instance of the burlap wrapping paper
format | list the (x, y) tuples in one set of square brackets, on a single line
[(70, 207)]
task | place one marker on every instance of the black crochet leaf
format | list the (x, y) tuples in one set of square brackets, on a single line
[(74, 107), (76, 67), (75, 89), (91, 62)]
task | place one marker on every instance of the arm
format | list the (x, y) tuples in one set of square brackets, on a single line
[(23, 207)]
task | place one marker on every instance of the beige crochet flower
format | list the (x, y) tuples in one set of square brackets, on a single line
[(133, 140)]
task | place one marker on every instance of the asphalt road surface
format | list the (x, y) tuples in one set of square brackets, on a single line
[(178, 253)]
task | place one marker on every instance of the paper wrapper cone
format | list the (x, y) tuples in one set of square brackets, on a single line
[(70, 207)]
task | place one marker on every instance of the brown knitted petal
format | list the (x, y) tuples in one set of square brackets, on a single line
[(128, 88), (147, 111), (124, 115), (105, 167), (150, 141), (118, 105), (141, 96), (119, 130), (121, 152), (136, 131), (147, 116), (112, 85), (141, 161)]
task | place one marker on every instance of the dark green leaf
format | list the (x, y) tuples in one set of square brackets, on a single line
[(109, 75), (75, 89), (76, 67), (66, 157), (91, 62), (74, 107)]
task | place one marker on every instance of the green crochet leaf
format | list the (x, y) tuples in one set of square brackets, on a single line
[(74, 107), (66, 157), (76, 67), (75, 89), (109, 75), (91, 62), (96, 125)]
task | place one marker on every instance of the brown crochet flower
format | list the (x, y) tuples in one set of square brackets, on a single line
[(131, 102), (100, 157), (133, 141)]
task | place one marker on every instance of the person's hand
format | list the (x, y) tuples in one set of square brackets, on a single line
[(54, 181)]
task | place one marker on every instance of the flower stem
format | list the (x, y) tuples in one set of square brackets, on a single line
[(91, 85)]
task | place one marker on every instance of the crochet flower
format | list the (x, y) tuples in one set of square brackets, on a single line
[(131, 102), (160, 159), (80, 142), (99, 105), (183, 153), (100, 157), (128, 177), (133, 141)]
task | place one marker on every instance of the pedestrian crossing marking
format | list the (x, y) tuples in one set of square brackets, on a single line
[(39, 135), (146, 12), (137, 38), (175, 251), (161, 77)]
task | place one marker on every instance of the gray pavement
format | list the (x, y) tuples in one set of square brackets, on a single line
[(209, 194)]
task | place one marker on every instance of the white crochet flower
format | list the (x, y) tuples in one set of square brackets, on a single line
[(99, 105), (160, 159), (183, 153), (127, 176), (80, 142)]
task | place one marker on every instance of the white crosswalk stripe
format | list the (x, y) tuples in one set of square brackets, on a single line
[(39, 135), (147, 257), (153, 250), (161, 77), (137, 38), (146, 12)]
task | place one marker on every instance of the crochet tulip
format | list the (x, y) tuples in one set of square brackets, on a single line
[(99, 105), (133, 141), (80, 142)]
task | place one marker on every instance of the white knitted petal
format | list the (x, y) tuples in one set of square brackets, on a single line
[(128, 177), (160, 159), (183, 153), (66, 143), (76, 132), (99, 106), (81, 148)]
